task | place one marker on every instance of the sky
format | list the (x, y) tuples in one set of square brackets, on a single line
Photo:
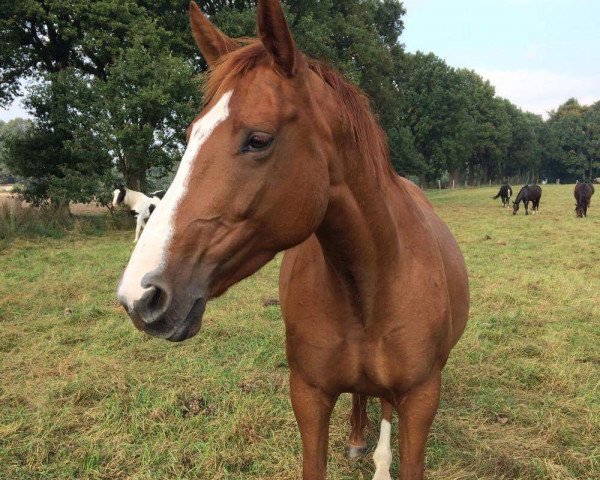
[(537, 53)]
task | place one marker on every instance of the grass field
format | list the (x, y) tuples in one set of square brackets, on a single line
[(84, 395)]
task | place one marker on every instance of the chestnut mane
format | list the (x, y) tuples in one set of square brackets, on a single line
[(370, 139)]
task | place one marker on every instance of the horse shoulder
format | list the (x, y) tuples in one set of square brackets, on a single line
[(415, 192), (452, 267)]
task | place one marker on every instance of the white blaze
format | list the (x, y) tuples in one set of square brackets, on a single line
[(150, 251), (115, 197)]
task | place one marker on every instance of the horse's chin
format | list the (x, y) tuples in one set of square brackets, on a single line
[(191, 325), (172, 330)]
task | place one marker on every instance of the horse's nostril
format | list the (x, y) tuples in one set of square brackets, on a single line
[(152, 304)]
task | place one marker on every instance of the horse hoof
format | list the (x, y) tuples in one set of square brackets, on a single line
[(355, 452)]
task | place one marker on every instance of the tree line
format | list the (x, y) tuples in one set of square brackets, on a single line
[(112, 86)]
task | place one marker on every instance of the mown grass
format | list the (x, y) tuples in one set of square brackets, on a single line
[(84, 395)]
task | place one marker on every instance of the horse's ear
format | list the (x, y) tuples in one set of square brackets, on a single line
[(275, 35), (211, 41)]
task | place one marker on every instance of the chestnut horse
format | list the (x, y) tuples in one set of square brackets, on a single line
[(373, 286), (583, 196)]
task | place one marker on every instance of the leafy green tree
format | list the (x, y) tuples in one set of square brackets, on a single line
[(436, 110), (115, 85), (138, 116), (425, 81), (567, 127), (39, 155), (15, 128), (524, 154), (40, 37), (592, 141), (110, 93)]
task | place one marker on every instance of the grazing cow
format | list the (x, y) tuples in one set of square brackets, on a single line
[(141, 205), (504, 193), (528, 194), (583, 196)]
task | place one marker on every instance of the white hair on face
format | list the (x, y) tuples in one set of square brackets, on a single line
[(151, 249)]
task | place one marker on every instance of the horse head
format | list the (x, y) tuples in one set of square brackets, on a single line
[(254, 178), (118, 195)]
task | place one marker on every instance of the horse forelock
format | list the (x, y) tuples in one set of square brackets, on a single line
[(369, 138)]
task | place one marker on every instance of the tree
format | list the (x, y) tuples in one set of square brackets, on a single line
[(109, 93), (567, 130), (592, 141), (524, 153), (16, 128), (112, 87), (138, 116), (40, 155)]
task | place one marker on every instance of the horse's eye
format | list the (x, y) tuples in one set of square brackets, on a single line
[(257, 142)]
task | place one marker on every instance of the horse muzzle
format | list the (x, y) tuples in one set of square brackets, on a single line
[(161, 314)]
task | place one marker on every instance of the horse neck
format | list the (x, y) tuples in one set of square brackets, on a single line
[(133, 198), (358, 234)]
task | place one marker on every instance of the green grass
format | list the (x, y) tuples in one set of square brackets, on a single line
[(84, 395), (19, 220)]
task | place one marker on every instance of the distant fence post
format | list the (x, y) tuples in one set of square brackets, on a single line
[(439, 184), (453, 186)]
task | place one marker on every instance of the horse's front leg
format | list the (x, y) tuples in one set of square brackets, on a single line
[(416, 411), (138, 227), (526, 208), (312, 408)]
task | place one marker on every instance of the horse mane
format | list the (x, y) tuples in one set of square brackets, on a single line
[(521, 193), (369, 138)]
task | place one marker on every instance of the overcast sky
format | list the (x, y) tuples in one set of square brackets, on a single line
[(537, 53)]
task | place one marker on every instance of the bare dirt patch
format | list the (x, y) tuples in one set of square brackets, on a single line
[(75, 208)]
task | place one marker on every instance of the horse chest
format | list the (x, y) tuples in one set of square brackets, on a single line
[(375, 365)]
